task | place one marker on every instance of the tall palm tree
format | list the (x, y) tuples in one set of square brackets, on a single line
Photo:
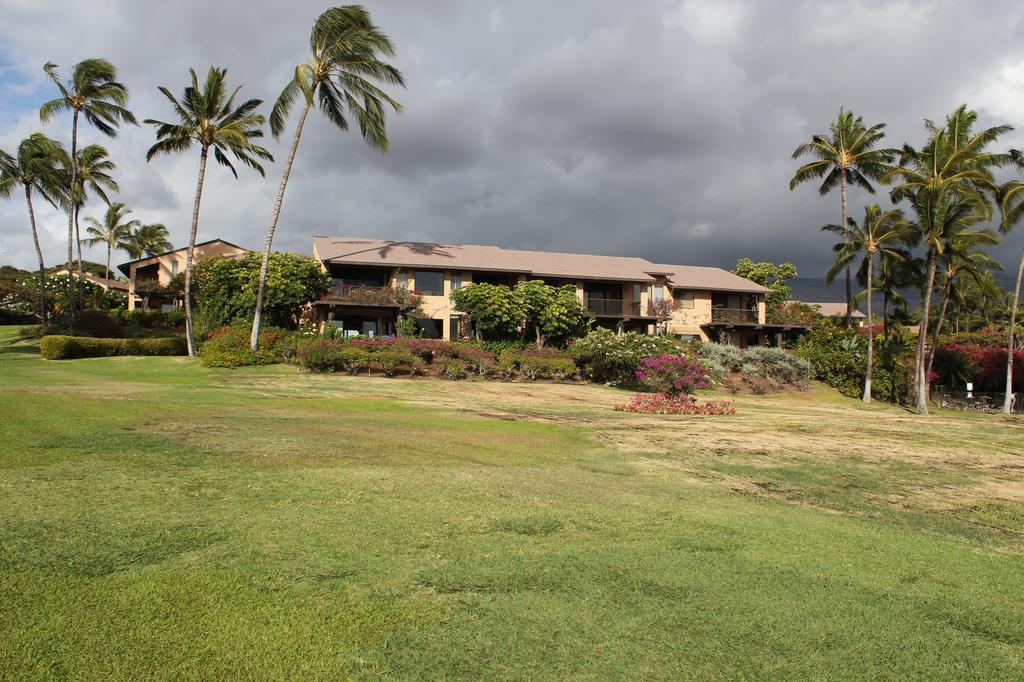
[(148, 240), (879, 234), (94, 168), (1011, 208), (208, 117), (92, 92), (845, 155), (115, 231), (947, 181), (36, 167), (344, 61), (961, 261)]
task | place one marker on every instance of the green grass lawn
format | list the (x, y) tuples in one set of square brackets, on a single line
[(165, 520)]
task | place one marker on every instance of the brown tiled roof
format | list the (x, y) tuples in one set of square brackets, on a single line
[(832, 309), (96, 279), (126, 267), (474, 257), (378, 252), (709, 279)]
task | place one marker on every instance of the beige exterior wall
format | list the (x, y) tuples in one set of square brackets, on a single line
[(171, 264)]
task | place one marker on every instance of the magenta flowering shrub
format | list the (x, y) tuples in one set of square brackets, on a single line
[(672, 374), (679, 403)]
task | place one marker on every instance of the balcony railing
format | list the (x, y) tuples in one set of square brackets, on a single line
[(381, 297), (613, 307), (733, 315)]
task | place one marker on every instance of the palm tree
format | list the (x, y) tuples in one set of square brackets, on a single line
[(93, 92), (878, 234), (344, 62), (209, 118), (846, 155), (115, 231), (148, 240), (1011, 208), (36, 167), (94, 168), (962, 261), (947, 181)]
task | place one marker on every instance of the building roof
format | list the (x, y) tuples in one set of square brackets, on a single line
[(832, 309), (96, 279), (707, 278), (126, 269), (379, 252)]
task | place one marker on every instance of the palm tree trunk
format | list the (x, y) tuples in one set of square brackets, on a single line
[(939, 323), (871, 336), (39, 255), (849, 290), (257, 317), (71, 209), (189, 335), (1008, 398), (110, 247), (78, 244), (920, 378)]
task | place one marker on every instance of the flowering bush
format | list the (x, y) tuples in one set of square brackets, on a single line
[(613, 358), (988, 365), (671, 374), (476, 359), (663, 403)]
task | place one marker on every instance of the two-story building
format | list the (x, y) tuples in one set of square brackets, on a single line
[(372, 280), (146, 276)]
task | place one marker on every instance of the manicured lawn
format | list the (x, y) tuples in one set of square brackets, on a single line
[(164, 520)]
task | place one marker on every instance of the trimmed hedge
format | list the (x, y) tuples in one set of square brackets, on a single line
[(70, 347)]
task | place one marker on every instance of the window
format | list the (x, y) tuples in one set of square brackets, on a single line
[(455, 327), (431, 328), (174, 268), (401, 278), (430, 283), (657, 292), (456, 278), (684, 299)]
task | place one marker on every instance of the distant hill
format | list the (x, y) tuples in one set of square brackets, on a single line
[(815, 289)]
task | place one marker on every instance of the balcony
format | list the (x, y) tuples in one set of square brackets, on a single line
[(733, 316), (613, 307), (371, 296)]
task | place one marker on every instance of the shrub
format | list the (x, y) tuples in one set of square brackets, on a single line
[(229, 347), (613, 358), (680, 403), (390, 361), (325, 355), (455, 370), (476, 359), (836, 354), (719, 358), (671, 374), (509, 360), (777, 366), (428, 349), (70, 347), (535, 367)]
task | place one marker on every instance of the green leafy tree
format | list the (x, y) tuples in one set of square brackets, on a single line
[(846, 155), (93, 92), (533, 298), (208, 117), (36, 167), (564, 317), (94, 174), (341, 74), (772, 276), (1011, 208), (878, 234), (115, 232), (148, 240), (495, 309), (948, 181), (225, 288)]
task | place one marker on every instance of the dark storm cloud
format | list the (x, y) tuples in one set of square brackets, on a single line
[(660, 129)]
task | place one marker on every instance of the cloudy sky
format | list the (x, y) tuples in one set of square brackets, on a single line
[(654, 128)]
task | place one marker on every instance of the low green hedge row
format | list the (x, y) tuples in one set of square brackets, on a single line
[(70, 347)]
